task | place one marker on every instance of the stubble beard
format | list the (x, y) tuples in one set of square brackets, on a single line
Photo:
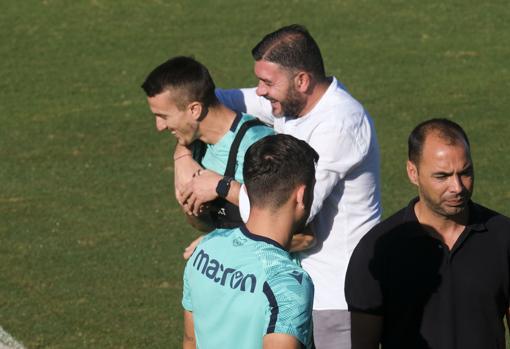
[(293, 104), (442, 210)]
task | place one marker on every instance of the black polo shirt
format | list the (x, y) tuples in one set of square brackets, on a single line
[(429, 296)]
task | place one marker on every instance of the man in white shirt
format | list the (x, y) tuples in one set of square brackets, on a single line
[(296, 97)]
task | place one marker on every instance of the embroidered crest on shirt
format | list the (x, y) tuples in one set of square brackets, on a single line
[(239, 241)]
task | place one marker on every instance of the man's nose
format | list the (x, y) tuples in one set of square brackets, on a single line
[(456, 185), (261, 89), (160, 124)]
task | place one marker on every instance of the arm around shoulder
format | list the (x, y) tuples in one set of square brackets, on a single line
[(246, 100)]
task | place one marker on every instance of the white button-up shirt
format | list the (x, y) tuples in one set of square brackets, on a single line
[(346, 196)]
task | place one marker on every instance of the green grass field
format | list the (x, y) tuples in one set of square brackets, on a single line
[(90, 234)]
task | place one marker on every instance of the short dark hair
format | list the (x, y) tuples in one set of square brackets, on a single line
[(274, 166), (189, 78), (291, 47), (446, 129)]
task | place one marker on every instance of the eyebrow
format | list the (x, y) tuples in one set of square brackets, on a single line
[(265, 80), (464, 170)]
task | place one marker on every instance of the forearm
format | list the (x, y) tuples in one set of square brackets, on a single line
[(341, 148), (246, 100), (233, 193), (325, 183), (184, 168), (188, 338), (203, 188), (280, 341), (188, 343)]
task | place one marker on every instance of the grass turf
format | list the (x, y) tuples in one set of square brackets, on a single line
[(90, 234)]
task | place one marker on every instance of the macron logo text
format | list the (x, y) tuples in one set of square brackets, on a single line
[(215, 271)]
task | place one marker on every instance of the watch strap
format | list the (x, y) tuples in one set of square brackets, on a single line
[(223, 186)]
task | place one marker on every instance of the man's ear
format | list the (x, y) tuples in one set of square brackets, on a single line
[(195, 109), (301, 196), (412, 172), (302, 81)]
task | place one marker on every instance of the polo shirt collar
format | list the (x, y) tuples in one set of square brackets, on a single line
[(476, 221), (476, 218)]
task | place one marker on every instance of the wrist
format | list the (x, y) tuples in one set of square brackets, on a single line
[(181, 151), (223, 186), (177, 157)]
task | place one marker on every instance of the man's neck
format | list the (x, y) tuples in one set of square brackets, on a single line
[(448, 227), (216, 124), (274, 225), (315, 95)]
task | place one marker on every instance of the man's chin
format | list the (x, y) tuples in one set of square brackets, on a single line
[(277, 112), (454, 210)]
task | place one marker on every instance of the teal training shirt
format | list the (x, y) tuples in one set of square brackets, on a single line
[(240, 287), (216, 156)]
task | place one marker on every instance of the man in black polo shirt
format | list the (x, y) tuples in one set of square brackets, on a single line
[(437, 273)]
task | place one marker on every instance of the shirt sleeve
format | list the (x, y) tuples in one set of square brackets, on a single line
[(363, 291), (341, 147), (252, 135), (245, 100), (186, 296), (290, 299)]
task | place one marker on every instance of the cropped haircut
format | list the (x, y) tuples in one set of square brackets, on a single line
[(184, 76), (276, 165), (447, 130), (293, 48)]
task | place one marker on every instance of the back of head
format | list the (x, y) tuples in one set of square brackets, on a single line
[(186, 78), (293, 48), (447, 130), (274, 167)]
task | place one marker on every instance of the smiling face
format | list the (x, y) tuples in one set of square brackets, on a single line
[(277, 85), (444, 176), (182, 124)]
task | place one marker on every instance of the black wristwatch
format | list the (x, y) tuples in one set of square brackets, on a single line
[(223, 187)]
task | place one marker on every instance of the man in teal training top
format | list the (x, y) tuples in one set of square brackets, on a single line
[(180, 93), (241, 289)]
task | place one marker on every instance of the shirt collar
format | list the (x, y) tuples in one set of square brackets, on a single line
[(332, 87), (476, 220), (238, 118), (256, 237)]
